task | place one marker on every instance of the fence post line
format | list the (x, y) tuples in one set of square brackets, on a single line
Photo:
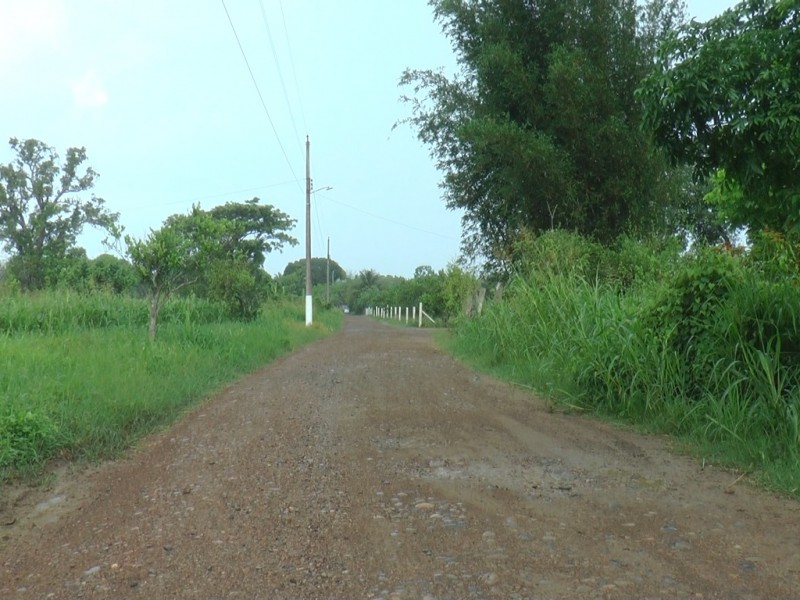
[(420, 314)]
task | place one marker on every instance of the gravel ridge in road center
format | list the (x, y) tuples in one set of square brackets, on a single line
[(371, 465)]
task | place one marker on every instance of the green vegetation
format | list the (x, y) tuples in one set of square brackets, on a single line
[(725, 96), (293, 279), (40, 213), (63, 311), (704, 346), (91, 391), (218, 253), (540, 128), (80, 378)]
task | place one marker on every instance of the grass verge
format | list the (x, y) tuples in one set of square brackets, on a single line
[(91, 393)]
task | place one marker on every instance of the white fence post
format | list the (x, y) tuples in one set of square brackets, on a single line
[(420, 314)]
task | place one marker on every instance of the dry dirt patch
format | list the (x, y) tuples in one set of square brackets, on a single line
[(371, 465)]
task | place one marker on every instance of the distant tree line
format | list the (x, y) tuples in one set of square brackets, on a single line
[(445, 294)]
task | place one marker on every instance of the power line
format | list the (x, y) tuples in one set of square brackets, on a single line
[(280, 74), (211, 197), (320, 237), (263, 104), (373, 215), (291, 62)]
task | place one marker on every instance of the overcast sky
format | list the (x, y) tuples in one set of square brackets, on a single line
[(161, 97)]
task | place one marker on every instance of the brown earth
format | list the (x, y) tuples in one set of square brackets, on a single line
[(372, 466)]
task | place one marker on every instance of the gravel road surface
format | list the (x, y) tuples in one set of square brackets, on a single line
[(373, 466)]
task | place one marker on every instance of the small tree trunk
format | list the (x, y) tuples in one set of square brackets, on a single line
[(154, 308)]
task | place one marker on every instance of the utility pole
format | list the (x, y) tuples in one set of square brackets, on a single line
[(328, 275), (309, 303)]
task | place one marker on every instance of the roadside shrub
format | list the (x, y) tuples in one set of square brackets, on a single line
[(763, 316), (634, 262), (27, 439), (92, 392), (558, 252), (686, 310)]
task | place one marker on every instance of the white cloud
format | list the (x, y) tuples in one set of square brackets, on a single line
[(28, 26), (89, 91)]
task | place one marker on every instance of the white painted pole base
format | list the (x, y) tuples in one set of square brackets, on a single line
[(309, 308)]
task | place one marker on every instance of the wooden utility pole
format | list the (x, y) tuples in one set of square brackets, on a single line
[(328, 275), (309, 303)]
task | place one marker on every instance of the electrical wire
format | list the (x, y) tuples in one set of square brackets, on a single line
[(280, 74), (263, 104), (373, 215), (211, 197), (319, 230), (291, 62)]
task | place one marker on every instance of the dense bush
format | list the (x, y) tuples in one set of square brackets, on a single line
[(26, 439)]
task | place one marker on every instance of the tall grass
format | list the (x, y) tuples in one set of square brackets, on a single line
[(91, 392), (705, 349), (62, 311)]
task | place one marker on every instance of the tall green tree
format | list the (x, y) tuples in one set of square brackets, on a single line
[(725, 97), (294, 275), (540, 129), (233, 269), (41, 211)]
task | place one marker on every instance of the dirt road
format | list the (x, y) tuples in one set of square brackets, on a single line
[(372, 466)]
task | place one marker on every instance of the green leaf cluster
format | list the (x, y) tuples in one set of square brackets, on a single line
[(725, 94)]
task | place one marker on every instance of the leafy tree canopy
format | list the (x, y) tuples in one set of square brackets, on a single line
[(424, 271), (256, 229), (725, 95), (41, 212), (319, 271), (220, 251), (540, 129)]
